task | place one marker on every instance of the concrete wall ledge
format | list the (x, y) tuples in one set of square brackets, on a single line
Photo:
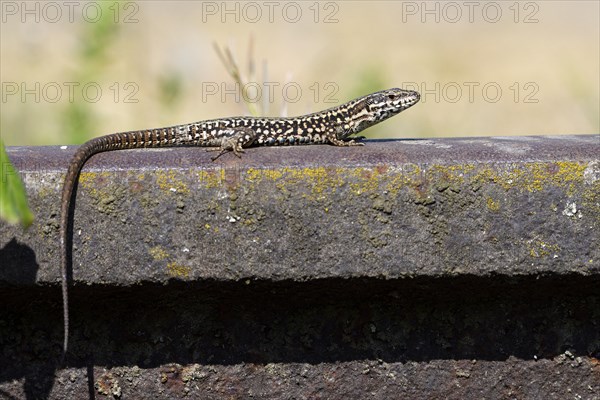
[(471, 263), (392, 209)]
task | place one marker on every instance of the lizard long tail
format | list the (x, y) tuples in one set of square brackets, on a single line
[(81, 156), (116, 141)]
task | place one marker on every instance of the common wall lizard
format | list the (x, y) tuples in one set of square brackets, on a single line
[(336, 126)]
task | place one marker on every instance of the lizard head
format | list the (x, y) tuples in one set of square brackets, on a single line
[(379, 106)]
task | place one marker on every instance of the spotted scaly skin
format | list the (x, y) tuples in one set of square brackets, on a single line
[(337, 126)]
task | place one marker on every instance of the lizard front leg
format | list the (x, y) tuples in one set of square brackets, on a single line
[(332, 136)]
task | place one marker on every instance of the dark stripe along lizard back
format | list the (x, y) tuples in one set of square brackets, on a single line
[(335, 126)]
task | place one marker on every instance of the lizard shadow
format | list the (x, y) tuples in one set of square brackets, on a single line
[(19, 264), (25, 345)]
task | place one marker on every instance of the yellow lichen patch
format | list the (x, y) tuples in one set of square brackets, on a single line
[(450, 174), (89, 181), (248, 221), (211, 228), (364, 180), (169, 180), (539, 249), (485, 175), (521, 178), (158, 253), (508, 178), (320, 179), (178, 270), (492, 204), (211, 179), (407, 175), (255, 175), (327, 180), (590, 197), (561, 174), (570, 173), (534, 177), (539, 174)]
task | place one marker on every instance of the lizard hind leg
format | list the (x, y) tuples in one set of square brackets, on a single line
[(235, 140)]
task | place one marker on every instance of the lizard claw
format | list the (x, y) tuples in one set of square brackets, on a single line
[(353, 143)]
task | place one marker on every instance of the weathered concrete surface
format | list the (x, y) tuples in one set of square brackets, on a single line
[(390, 209), (424, 268)]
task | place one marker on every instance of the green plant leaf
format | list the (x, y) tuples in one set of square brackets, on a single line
[(13, 198)]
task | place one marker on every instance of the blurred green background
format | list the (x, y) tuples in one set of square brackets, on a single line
[(73, 71)]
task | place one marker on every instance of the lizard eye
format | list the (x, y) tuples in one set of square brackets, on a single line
[(391, 96)]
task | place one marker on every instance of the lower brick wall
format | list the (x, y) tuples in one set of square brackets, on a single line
[(403, 269)]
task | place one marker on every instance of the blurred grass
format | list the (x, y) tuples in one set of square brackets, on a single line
[(231, 67), (168, 55), (95, 40), (170, 89)]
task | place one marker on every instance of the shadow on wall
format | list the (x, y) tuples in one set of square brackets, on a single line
[(288, 322)]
